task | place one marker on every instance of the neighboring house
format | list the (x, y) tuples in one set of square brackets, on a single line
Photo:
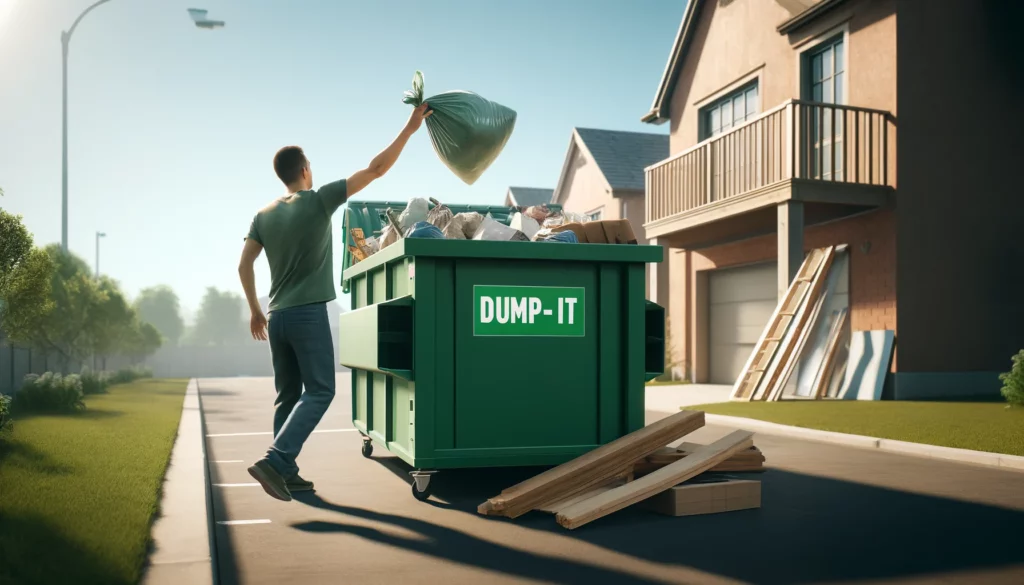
[(527, 196), (784, 126)]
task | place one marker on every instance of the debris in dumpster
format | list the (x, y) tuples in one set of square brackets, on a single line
[(392, 232), (546, 235), (525, 224), (563, 217), (425, 229), (415, 212), (499, 232), (576, 228), (439, 215), (456, 228), (471, 221), (468, 132), (635, 468)]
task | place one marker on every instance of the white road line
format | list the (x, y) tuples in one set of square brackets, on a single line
[(236, 485), (229, 461), (271, 433), (242, 522)]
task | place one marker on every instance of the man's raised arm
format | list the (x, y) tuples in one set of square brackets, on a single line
[(383, 162)]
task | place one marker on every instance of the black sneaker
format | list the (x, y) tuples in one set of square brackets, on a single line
[(297, 484), (271, 480)]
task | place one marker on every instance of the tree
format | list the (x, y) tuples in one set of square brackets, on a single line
[(159, 306), (140, 341), (25, 273), (112, 321), (219, 320)]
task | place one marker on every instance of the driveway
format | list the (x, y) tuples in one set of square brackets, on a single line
[(830, 514)]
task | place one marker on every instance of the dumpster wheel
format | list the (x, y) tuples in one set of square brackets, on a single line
[(367, 447), (421, 484)]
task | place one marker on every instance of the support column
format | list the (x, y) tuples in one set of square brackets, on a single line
[(791, 242), (660, 275)]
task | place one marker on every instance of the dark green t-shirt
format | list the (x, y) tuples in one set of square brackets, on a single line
[(295, 232)]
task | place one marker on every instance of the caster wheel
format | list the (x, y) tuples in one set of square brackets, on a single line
[(367, 449), (420, 495)]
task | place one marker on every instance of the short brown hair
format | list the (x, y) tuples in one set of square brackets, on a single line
[(288, 164)]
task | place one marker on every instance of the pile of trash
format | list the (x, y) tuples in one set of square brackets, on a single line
[(423, 218)]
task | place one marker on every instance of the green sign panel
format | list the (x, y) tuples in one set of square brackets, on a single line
[(528, 311)]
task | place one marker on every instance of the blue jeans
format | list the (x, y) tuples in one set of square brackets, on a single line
[(303, 353)]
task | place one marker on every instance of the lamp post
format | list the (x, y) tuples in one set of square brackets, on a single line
[(198, 17), (98, 236)]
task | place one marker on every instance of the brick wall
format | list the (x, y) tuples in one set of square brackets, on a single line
[(872, 272)]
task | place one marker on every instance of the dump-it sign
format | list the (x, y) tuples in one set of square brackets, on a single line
[(528, 311)]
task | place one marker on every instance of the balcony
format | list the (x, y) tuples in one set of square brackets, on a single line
[(835, 158)]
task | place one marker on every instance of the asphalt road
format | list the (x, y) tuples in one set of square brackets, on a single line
[(829, 514)]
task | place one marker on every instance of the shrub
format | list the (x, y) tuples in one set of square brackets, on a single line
[(94, 382), (130, 374), (50, 393), (1013, 381), (5, 411)]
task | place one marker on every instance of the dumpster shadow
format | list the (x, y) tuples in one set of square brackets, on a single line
[(857, 531), (456, 546)]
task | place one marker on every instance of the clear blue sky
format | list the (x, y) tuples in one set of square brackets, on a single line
[(173, 128)]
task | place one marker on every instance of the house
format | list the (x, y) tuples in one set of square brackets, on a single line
[(603, 174), (527, 196), (790, 121)]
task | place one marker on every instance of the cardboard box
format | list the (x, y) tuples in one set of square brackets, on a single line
[(707, 496), (618, 231), (608, 231), (576, 228)]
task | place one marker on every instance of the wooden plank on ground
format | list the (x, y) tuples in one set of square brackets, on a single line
[(592, 468), (764, 351), (556, 507), (689, 499), (611, 501)]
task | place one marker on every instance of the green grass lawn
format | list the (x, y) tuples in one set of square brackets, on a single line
[(981, 426), (78, 492)]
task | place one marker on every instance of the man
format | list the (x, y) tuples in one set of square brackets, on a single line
[(295, 230)]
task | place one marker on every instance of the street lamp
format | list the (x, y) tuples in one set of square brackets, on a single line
[(98, 236), (198, 17)]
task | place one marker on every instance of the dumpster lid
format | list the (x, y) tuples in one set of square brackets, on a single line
[(369, 216)]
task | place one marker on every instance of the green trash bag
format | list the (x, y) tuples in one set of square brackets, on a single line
[(468, 131)]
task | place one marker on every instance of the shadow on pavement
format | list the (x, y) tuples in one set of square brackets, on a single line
[(458, 547), (809, 530)]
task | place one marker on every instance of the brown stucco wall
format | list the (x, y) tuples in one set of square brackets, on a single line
[(872, 278), (737, 38), (961, 203)]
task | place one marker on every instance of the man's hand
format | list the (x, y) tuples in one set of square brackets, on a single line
[(258, 326), (416, 118)]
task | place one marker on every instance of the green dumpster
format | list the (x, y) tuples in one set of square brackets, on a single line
[(480, 354)]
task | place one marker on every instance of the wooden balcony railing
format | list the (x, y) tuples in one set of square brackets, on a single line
[(796, 140)]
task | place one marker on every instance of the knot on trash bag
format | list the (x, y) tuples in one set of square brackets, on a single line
[(414, 96)]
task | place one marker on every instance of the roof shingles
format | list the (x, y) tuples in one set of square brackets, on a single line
[(527, 196), (623, 156)]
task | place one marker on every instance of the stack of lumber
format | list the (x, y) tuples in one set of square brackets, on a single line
[(625, 471), (791, 327)]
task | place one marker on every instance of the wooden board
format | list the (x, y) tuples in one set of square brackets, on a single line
[(689, 499), (828, 361), (593, 468), (767, 345), (701, 460), (556, 507), (801, 311), (804, 333)]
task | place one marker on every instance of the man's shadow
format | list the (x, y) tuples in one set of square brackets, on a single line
[(459, 547)]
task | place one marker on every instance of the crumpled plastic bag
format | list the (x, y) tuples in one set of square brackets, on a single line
[(471, 222), (456, 228), (566, 237), (425, 229), (538, 212), (563, 217), (392, 231), (493, 230), (468, 132), (439, 215), (415, 212)]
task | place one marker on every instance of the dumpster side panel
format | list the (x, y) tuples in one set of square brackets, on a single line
[(635, 311), (513, 391)]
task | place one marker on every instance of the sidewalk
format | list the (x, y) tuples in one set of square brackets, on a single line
[(670, 398)]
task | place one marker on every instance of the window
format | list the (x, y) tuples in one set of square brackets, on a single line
[(824, 73), (595, 215), (730, 111)]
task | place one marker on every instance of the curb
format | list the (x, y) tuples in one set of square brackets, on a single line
[(1010, 462), (182, 551)]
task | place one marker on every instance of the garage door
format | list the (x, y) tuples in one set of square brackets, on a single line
[(741, 303)]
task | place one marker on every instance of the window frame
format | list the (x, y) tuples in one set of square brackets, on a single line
[(729, 97)]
